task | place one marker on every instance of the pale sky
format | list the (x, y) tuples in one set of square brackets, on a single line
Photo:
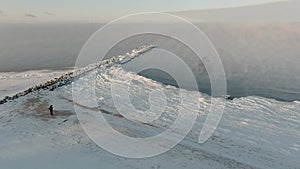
[(23, 11)]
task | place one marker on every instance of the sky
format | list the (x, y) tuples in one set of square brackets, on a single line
[(21, 11)]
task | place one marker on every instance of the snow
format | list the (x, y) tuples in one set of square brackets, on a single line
[(19, 81), (254, 132)]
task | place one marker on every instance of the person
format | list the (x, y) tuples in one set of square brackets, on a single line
[(51, 110), (228, 97)]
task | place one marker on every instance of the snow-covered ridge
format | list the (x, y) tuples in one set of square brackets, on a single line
[(68, 77), (254, 132)]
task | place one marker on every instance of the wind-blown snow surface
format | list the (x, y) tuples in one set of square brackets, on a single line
[(254, 132), (20, 81)]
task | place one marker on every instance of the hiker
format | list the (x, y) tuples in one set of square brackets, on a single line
[(51, 110), (228, 97)]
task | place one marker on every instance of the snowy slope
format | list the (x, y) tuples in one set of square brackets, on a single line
[(255, 132), (20, 81)]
